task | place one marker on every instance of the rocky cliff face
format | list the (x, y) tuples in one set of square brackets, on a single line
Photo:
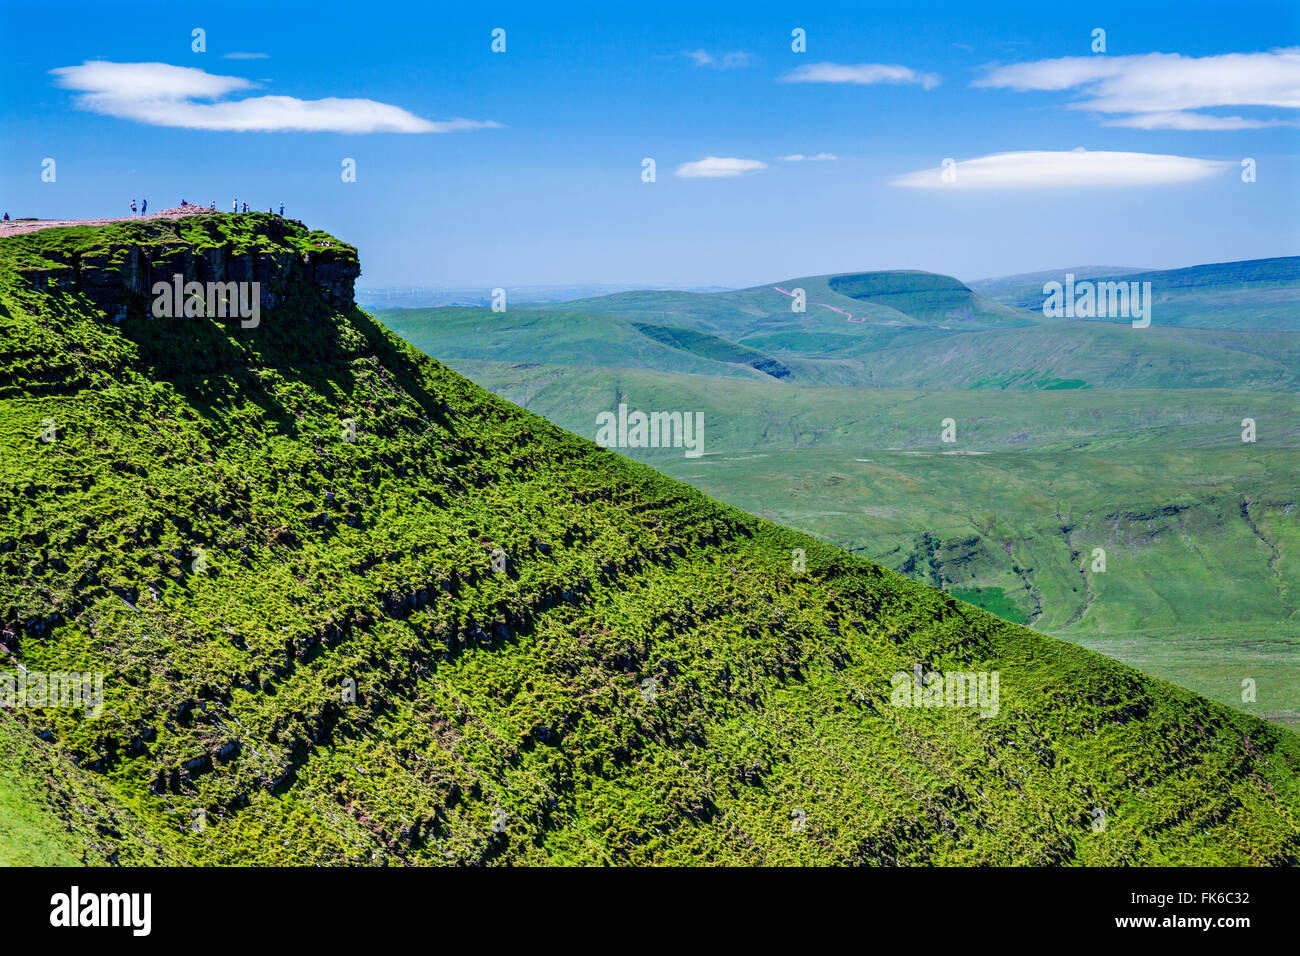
[(118, 270)]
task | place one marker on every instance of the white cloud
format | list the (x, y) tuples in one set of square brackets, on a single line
[(102, 80), (163, 95), (713, 167), (730, 61), (1065, 170), (1191, 121), (862, 74), (800, 157), (1167, 84)]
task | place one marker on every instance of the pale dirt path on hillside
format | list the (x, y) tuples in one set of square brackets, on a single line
[(18, 228)]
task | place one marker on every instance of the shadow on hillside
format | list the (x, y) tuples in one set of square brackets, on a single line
[(214, 363)]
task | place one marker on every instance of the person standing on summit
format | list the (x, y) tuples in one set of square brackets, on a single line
[(281, 210), (245, 206), (234, 206), (133, 207), (144, 206)]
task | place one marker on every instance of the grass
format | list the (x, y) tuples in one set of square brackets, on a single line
[(995, 601)]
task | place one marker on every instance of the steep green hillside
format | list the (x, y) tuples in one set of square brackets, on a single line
[(53, 813), (558, 654)]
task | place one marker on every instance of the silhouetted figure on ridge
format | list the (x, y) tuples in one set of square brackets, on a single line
[(144, 206), (133, 207)]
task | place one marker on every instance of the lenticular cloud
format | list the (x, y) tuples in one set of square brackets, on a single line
[(716, 167), (164, 95), (1063, 170)]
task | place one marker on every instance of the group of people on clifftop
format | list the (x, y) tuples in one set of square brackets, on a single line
[(144, 207), (235, 208)]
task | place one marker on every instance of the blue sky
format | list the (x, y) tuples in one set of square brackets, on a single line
[(553, 194)]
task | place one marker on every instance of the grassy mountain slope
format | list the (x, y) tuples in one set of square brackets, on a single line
[(53, 813), (559, 654)]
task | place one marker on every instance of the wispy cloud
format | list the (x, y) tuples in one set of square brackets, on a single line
[(1160, 89), (714, 167), (163, 95), (244, 56), (728, 61), (1063, 170), (801, 158), (863, 74)]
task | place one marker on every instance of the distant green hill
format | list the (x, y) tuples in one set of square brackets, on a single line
[(1016, 289), (1260, 295), (892, 330), (924, 296), (868, 307), (468, 636)]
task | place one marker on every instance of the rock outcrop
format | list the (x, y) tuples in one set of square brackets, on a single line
[(260, 248)]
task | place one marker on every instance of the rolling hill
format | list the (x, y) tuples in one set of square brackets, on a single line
[(352, 608), (866, 306), (892, 330), (1254, 295)]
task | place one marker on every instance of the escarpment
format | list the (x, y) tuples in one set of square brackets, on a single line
[(117, 267)]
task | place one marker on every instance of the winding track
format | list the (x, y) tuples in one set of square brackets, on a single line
[(848, 315)]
